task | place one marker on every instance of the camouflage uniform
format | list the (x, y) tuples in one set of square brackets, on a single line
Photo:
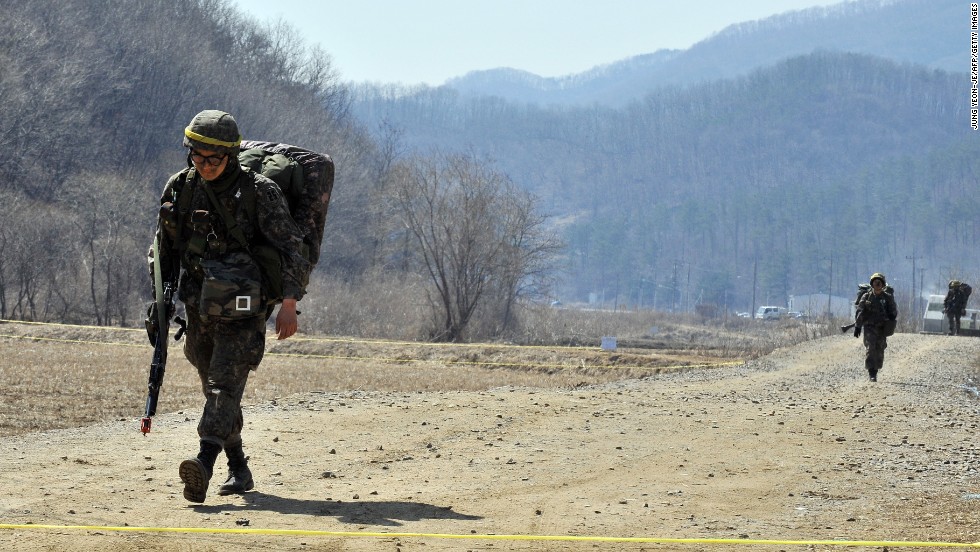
[(877, 311), (192, 231), (954, 306)]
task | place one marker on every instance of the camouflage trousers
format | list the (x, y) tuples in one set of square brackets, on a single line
[(224, 352), (954, 322), (876, 343)]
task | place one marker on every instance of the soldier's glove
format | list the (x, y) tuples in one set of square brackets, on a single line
[(857, 331), (168, 220), (153, 322)]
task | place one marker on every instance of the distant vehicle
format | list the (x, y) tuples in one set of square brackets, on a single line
[(770, 313), (743, 315), (794, 314), (556, 303)]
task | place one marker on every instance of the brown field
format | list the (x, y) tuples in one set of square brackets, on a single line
[(55, 376)]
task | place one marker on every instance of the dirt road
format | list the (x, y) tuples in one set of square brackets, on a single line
[(794, 446)]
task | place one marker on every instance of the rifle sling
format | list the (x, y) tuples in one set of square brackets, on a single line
[(160, 296), (231, 225)]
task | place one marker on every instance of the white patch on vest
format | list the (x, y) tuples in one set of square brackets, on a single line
[(243, 302)]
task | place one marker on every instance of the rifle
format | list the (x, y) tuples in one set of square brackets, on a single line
[(857, 329), (158, 366)]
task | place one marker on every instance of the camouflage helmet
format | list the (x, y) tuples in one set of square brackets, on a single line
[(954, 284), (213, 130), (877, 276)]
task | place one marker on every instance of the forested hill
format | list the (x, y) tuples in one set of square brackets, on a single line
[(800, 177), (824, 166), (93, 97)]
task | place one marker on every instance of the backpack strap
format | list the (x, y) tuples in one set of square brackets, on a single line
[(182, 204)]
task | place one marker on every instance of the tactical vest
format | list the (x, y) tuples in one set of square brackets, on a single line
[(214, 249)]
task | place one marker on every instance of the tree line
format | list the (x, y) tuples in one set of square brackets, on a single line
[(801, 178), (94, 96)]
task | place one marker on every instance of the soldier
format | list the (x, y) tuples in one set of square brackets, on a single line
[(954, 305), (878, 315), (205, 234)]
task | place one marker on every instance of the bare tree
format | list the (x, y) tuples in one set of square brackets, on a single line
[(474, 234), (14, 204), (108, 227), (530, 252), (37, 253)]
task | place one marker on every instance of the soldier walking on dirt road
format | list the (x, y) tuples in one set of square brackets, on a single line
[(877, 313), (954, 305), (207, 239)]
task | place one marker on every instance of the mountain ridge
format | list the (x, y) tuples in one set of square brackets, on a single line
[(914, 31)]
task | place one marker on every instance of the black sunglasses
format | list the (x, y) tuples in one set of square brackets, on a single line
[(212, 160)]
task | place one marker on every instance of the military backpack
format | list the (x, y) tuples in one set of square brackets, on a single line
[(306, 180)]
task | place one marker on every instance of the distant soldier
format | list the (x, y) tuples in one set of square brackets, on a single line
[(954, 305), (877, 313)]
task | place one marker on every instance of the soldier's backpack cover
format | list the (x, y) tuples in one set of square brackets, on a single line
[(306, 179)]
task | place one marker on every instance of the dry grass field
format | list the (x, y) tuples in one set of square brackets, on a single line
[(55, 376)]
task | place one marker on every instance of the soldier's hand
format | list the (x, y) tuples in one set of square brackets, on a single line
[(857, 331), (287, 321)]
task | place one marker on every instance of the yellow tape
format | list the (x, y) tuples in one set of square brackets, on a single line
[(589, 538)]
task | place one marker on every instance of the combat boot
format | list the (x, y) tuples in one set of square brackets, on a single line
[(196, 472), (239, 476)]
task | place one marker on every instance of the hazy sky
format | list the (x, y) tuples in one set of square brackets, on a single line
[(429, 41)]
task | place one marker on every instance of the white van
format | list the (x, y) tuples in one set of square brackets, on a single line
[(770, 313)]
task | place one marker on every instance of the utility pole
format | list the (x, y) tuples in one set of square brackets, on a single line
[(922, 319), (914, 304), (674, 285), (687, 302), (830, 289)]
